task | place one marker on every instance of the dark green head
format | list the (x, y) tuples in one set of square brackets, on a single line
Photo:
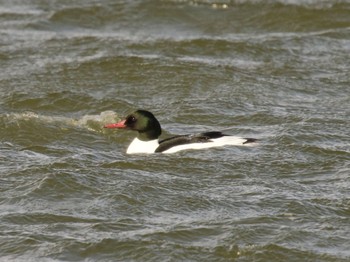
[(142, 121)]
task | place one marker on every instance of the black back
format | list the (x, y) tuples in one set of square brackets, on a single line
[(187, 139)]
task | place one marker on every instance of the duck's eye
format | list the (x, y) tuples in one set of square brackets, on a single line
[(132, 119)]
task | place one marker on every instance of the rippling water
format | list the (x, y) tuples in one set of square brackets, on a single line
[(274, 70)]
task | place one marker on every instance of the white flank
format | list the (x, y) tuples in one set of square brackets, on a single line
[(138, 146), (216, 142)]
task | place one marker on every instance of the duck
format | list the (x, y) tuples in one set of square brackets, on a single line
[(149, 131)]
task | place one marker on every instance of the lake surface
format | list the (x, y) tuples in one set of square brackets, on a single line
[(275, 70)]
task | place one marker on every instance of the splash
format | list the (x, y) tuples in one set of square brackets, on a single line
[(96, 122), (90, 122)]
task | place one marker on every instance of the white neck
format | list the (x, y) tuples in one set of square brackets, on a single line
[(138, 146)]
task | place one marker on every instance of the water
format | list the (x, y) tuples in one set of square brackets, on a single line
[(274, 70)]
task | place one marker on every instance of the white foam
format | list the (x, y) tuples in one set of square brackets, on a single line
[(91, 122)]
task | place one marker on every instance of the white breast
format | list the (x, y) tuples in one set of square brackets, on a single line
[(138, 146)]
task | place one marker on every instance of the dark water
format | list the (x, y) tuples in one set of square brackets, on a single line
[(274, 70)]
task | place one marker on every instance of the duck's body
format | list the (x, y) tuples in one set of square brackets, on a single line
[(149, 131), (138, 146)]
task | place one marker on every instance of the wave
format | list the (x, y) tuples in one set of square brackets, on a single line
[(90, 122), (229, 3)]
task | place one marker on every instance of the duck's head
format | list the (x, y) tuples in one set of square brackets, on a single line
[(142, 121)]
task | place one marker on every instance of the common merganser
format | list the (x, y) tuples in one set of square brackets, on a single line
[(149, 130)]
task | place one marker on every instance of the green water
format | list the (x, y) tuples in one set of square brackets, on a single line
[(274, 70)]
